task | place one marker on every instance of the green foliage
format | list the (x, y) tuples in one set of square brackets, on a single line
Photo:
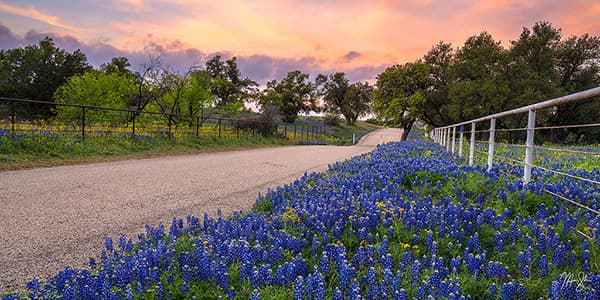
[(292, 95), (94, 88), (482, 77), (227, 85), (399, 95), (184, 96), (341, 97), (331, 120), (36, 72)]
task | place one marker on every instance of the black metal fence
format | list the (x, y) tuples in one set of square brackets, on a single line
[(84, 122)]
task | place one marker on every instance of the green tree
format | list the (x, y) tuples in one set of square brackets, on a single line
[(228, 88), (36, 72), (399, 98), (95, 88), (478, 87), (186, 96), (117, 64), (292, 95), (341, 97), (358, 99), (440, 60)]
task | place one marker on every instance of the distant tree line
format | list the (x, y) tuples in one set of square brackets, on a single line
[(46, 72), (445, 86)]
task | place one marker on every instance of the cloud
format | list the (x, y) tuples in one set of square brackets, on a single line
[(350, 56), (7, 38), (175, 54), (33, 13)]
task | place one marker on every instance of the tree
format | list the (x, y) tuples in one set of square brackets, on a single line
[(478, 87), (117, 64), (186, 96), (95, 88), (358, 98), (36, 71), (227, 86), (292, 95), (340, 97), (440, 60), (399, 95)]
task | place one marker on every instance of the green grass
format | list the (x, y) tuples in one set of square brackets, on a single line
[(343, 133), (56, 150)]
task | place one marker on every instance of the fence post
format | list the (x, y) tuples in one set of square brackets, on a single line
[(133, 127), (491, 144), (13, 113), (83, 122), (197, 126), (285, 131), (294, 131), (220, 127), (529, 147), (237, 128), (472, 146), (460, 141), (170, 117), (448, 137), (453, 138)]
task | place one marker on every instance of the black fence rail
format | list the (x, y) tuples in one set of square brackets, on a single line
[(84, 122)]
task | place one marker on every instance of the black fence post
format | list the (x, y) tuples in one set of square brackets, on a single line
[(83, 122), (294, 131), (133, 127), (170, 117), (285, 132), (237, 128), (197, 126), (13, 113), (220, 127)]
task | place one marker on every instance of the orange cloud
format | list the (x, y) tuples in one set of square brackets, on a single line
[(33, 13)]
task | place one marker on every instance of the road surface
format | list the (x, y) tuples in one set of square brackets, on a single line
[(54, 217)]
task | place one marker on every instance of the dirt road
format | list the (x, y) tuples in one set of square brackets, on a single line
[(60, 216)]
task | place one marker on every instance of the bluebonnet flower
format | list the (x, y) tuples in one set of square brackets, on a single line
[(543, 266)]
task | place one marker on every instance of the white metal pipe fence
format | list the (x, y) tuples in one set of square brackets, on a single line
[(446, 136)]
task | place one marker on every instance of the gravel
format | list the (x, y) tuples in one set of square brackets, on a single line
[(57, 217)]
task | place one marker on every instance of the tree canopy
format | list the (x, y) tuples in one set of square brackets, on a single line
[(227, 85), (36, 72), (399, 95), (341, 97), (292, 95)]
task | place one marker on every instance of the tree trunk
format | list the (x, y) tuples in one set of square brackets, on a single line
[(405, 130)]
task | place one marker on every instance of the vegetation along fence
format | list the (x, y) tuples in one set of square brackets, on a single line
[(527, 149), (84, 122)]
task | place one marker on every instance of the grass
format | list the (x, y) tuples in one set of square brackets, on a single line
[(27, 153), (343, 133), (34, 147)]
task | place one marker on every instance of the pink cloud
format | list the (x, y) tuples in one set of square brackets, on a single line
[(33, 13)]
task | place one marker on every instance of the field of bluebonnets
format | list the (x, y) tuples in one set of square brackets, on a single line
[(406, 221)]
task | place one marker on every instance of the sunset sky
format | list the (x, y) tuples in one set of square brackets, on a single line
[(272, 37)]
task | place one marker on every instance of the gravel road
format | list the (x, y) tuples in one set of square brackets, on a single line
[(54, 217)]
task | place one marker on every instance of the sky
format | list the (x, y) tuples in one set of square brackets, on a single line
[(272, 37)]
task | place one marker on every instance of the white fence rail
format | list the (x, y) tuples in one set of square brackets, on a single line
[(447, 136)]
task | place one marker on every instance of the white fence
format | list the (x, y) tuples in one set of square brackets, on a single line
[(447, 136)]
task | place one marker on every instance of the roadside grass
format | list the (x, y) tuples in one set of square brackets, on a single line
[(56, 149), (40, 148)]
